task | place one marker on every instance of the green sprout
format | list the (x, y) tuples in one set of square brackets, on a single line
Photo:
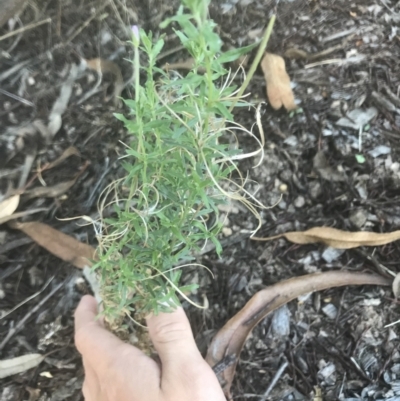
[(180, 163)]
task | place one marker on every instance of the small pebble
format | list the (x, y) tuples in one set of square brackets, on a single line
[(227, 231), (283, 188), (299, 202), (315, 189)]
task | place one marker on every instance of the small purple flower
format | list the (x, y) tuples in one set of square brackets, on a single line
[(136, 35)]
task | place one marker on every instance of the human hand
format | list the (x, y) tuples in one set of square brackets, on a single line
[(116, 371)]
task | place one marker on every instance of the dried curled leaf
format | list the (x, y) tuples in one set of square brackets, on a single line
[(9, 206), (9, 367), (279, 91), (187, 64), (102, 66), (59, 244), (396, 286), (337, 238), (229, 341)]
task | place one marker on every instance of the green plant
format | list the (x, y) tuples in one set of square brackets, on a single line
[(180, 166)]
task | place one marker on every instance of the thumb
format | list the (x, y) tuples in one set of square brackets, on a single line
[(86, 312), (173, 339), (96, 344)]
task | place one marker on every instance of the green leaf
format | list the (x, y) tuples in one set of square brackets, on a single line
[(360, 159), (157, 48), (234, 54)]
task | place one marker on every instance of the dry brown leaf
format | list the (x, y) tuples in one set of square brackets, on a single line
[(103, 66), (279, 91), (59, 244), (9, 367), (337, 238), (396, 286), (296, 54), (229, 341), (9, 206)]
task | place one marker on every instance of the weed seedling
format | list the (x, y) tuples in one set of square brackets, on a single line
[(180, 162)]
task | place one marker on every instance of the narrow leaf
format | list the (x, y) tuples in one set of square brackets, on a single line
[(337, 238), (103, 66), (9, 367), (229, 341), (233, 54), (59, 244)]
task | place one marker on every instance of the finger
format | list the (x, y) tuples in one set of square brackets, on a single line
[(96, 344), (172, 337), (86, 311), (109, 358)]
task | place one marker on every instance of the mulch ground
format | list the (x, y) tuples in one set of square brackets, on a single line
[(332, 345)]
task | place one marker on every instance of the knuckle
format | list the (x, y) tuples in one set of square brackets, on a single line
[(166, 332)]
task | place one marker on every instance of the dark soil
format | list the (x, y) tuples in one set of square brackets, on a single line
[(334, 344)]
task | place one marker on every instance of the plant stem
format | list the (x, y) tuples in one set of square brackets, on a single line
[(137, 74), (257, 59)]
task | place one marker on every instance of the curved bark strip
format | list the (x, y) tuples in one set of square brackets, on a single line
[(224, 350)]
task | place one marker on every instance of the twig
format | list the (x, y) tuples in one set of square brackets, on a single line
[(10, 270), (28, 315), (27, 299), (16, 97), (277, 376), (25, 28)]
